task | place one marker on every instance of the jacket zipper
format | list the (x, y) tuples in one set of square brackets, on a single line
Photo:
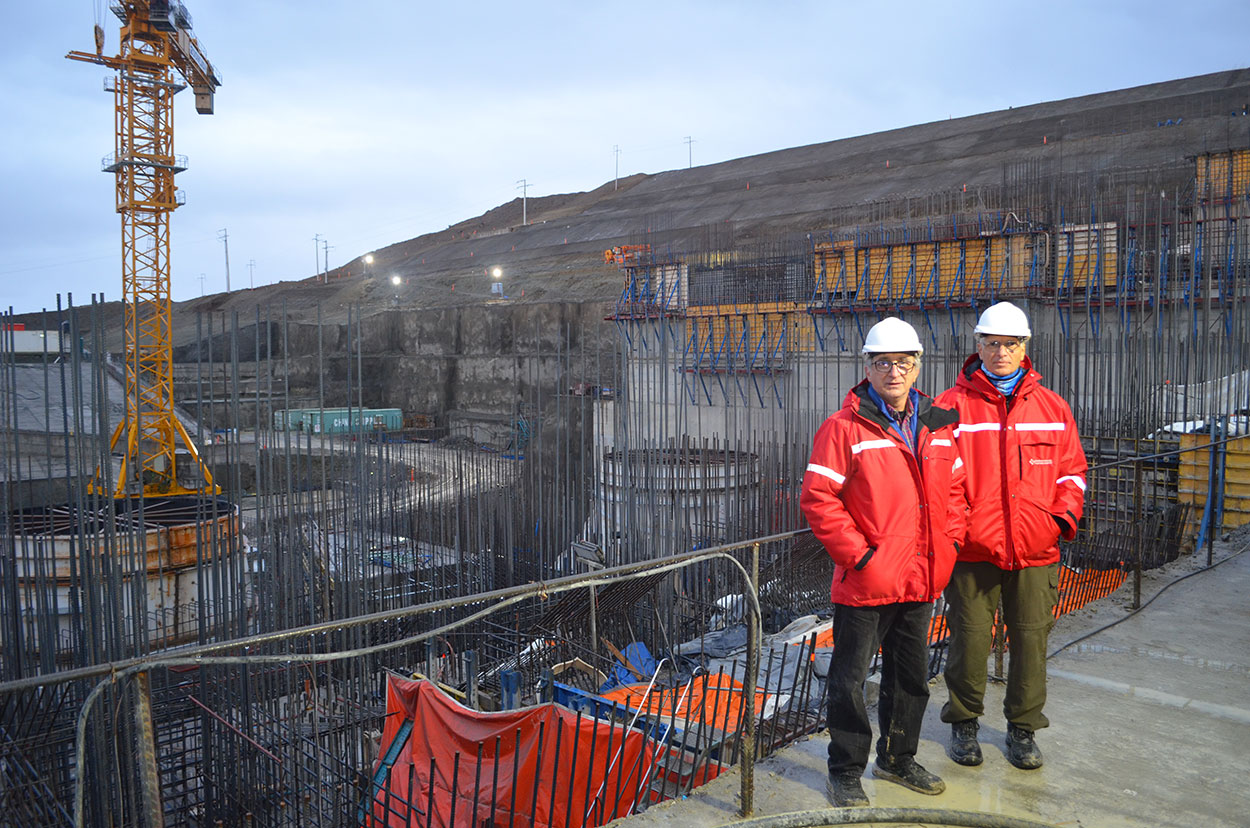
[(1002, 452)]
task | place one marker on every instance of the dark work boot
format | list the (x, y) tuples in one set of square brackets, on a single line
[(845, 791), (1022, 751), (963, 749), (906, 771)]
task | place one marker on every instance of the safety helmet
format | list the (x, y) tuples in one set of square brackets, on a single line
[(892, 335), (1004, 319)]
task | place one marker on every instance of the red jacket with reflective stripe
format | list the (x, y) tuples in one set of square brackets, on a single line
[(1025, 468), (889, 517)]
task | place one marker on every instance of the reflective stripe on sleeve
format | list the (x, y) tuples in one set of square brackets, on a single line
[(1040, 426), (1077, 479), (827, 472), (871, 444), (977, 427)]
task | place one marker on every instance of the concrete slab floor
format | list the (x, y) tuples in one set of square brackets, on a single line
[(1150, 723)]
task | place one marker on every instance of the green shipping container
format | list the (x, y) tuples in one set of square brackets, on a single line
[(345, 420)]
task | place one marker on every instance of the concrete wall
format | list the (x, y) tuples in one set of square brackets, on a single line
[(484, 362)]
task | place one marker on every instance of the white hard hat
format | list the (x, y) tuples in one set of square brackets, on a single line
[(890, 336), (1004, 319)]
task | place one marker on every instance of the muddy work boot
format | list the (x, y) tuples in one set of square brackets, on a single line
[(963, 749), (906, 771), (845, 791), (1022, 751)]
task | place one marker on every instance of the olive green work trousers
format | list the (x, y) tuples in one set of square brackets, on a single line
[(1029, 596)]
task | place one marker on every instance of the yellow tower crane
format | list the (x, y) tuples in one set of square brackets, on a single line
[(156, 54)]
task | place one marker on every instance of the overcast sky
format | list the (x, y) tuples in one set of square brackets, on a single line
[(371, 123)]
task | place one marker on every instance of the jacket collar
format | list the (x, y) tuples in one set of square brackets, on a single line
[(930, 416), (972, 378)]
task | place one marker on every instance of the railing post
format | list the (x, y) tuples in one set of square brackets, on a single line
[(1137, 536), (594, 622), (748, 687)]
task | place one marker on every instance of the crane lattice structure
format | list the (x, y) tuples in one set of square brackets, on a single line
[(157, 52)]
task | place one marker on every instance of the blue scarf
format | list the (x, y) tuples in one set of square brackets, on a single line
[(908, 434), (1005, 385)]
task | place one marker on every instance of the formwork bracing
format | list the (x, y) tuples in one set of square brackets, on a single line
[(249, 659)]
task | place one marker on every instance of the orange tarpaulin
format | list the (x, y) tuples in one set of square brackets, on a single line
[(714, 699), (541, 761)]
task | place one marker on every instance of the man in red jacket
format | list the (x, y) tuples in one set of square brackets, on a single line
[(1026, 484), (884, 493)]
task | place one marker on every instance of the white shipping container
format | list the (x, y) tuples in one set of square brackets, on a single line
[(33, 342)]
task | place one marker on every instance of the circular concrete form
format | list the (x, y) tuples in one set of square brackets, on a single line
[(70, 560)]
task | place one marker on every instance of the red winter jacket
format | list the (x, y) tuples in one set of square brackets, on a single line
[(1025, 464), (890, 521)]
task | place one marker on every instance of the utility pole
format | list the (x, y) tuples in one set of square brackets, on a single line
[(523, 186), (224, 238), (317, 254), (689, 152), (201, 284), (616, 150), (325, 245), (251, 273)]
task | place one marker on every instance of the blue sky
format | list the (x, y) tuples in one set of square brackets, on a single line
[(370, 123)]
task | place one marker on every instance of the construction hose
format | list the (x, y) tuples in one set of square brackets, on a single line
[(887, 816)]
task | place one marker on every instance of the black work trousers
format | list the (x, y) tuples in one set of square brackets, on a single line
[(901, 632)]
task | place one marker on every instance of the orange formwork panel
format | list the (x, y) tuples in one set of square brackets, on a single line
[(1193, 480), (746, 340), (927, 271), (1087, 257), (1220, 176)]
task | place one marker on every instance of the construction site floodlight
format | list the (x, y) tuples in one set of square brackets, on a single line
[(395, 280), (368, 258), (497, 272)]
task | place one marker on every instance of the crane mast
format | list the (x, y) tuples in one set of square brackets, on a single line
[(157, 57)]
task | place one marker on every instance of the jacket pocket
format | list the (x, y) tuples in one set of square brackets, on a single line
[(1036, 530), (1037, 461), (881, 576)]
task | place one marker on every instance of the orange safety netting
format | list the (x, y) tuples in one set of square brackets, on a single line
[(824, 638), (1076, 589), (714, 700), (536, 775)]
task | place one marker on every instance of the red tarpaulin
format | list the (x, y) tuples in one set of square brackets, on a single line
[(587, 776)]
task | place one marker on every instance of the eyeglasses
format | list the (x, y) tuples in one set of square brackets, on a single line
[(884, 366), (1010, 346)]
